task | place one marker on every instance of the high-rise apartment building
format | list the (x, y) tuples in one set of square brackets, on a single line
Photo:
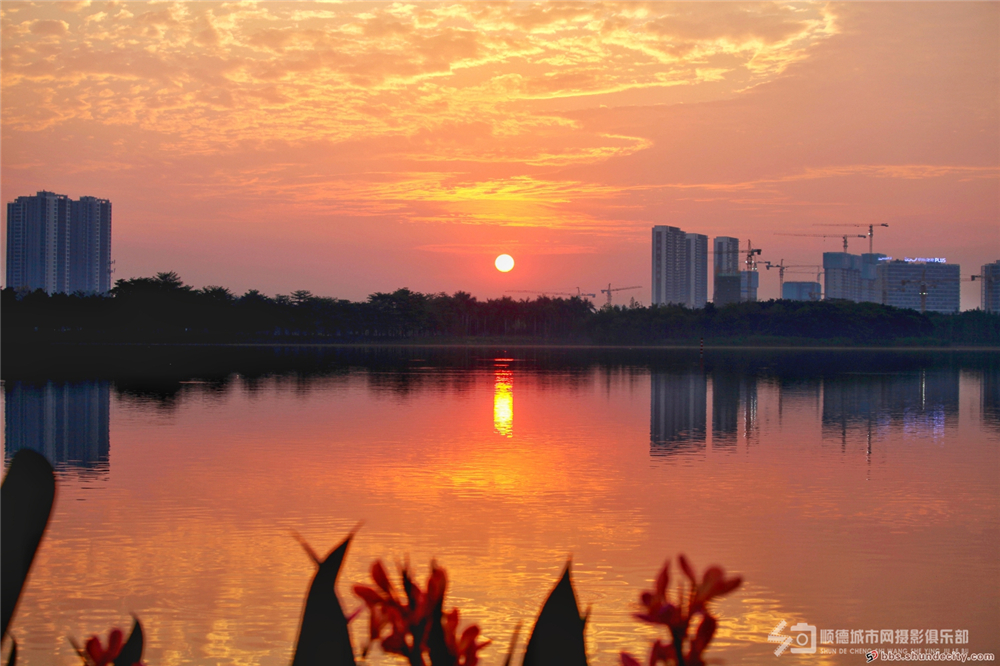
[(90, 246), (680, 267), (668, 265), (727, 270), (990, 275), (927, 286), (696, 263), (59, 245), (38, 242)]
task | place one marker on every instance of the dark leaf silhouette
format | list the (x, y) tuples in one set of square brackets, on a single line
[(323, 636), (558, 634), (131, 652), (12, 657), (25, 504)]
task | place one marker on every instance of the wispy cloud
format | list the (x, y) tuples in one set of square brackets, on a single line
[(205, 75)]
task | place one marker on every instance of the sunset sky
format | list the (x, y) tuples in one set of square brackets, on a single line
[(348, 148)]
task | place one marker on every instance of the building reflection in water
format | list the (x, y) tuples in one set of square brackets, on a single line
[(921, 403), (734, 400), (990, 393), (503, 397), (677, 412), (67, 422)]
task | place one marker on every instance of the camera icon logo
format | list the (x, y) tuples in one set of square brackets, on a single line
[(802, 636), (805, 640)]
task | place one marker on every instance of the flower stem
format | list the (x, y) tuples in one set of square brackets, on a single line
[(678, 645)]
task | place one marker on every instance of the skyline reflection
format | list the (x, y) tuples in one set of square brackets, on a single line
[(734, 398), (677, 412), (67, 422), (922, 403), (990, 397)]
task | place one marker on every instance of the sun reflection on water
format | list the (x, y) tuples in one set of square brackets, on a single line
[(503, 399)]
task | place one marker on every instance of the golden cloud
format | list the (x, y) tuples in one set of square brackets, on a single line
[(203, 75)]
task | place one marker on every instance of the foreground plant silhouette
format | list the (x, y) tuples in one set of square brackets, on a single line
[(677, 613), (418, 627), (415, 626)]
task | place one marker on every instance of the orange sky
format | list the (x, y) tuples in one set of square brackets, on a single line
[(360, 147)]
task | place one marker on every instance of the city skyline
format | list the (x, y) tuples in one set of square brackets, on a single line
[(361, 148)]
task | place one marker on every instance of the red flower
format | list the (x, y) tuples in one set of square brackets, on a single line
[(410, 620), (676, 614), (713, 584), (98, 656), (463, 648)]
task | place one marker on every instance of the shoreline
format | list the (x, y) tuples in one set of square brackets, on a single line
[(506, 344)]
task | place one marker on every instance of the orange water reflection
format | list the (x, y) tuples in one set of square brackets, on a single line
[(848, 502), (503, 398)]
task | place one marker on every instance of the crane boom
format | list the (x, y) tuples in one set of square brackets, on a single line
[(781, 266), (609, 290), (844, 236), (550, 293), (871, 231)]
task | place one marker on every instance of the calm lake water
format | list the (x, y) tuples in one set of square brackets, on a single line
[(853, 491)]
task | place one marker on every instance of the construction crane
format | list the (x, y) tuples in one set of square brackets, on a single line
[(845, 236), (781, 272), (609, 290), (923, 282), (550, 293), (871, 232), (751, 251), (988, 278)]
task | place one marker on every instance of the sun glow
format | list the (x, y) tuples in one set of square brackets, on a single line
[(504, 263)]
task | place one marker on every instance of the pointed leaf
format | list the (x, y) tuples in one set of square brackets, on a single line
[(323, 636), (688, 570), (663, 580), (558, 634), (629, 660), (380, 577), (12, 658), (132, 650), (25, 504)]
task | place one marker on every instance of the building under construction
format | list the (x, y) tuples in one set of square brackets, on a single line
[(801, 291), (727, 270), (852, 277), (990, 275)]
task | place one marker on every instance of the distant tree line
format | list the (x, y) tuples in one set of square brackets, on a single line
[(164, 309)]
